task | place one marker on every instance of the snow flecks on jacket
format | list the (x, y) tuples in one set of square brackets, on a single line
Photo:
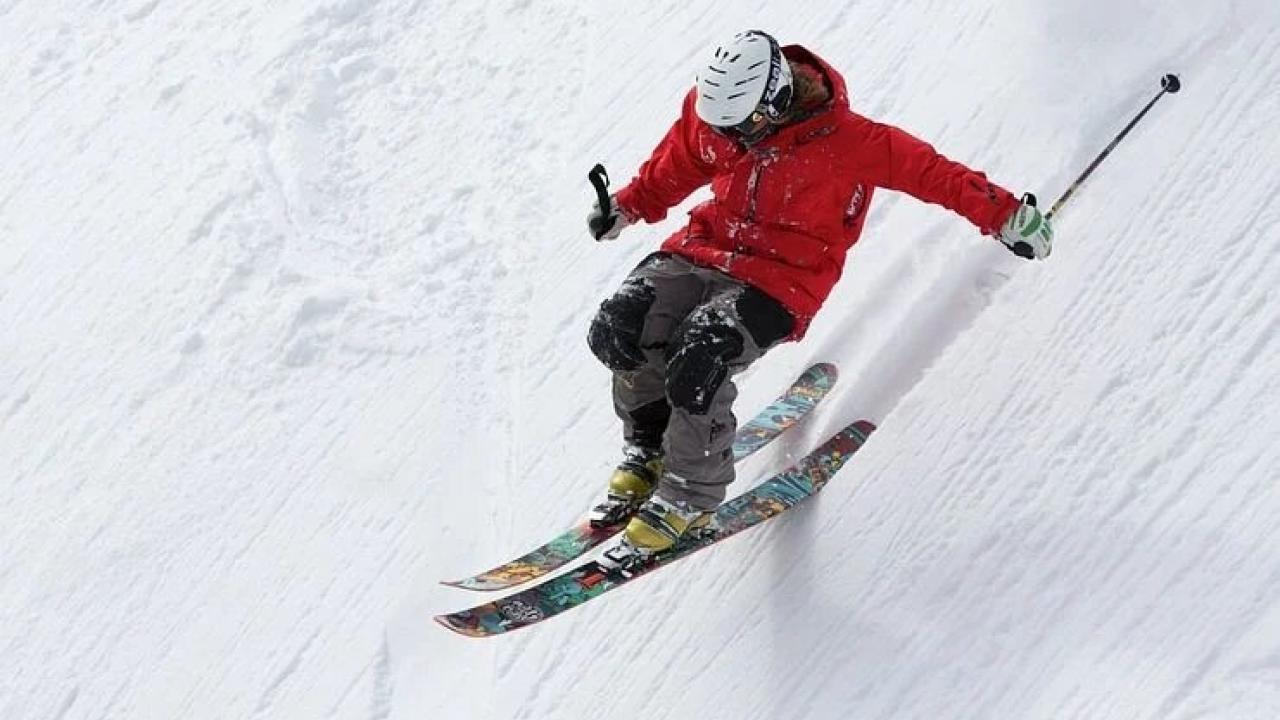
[(785, 212)]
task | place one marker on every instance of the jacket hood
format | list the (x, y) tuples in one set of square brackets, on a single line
[(835, 81)]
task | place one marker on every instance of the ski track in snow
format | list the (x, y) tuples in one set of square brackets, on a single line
[(292, 312)]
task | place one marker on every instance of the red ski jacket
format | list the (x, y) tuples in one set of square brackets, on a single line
[(786, 210)]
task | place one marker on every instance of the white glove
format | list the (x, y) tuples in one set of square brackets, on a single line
[(607, 225), (1027, 233)]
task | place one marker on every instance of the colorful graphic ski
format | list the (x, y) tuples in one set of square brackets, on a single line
[(592, 579), (803, 395)]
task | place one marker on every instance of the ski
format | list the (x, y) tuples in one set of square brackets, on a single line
[(594, 578), (790, 407)]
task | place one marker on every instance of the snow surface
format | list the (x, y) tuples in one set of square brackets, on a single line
[(292, 306)]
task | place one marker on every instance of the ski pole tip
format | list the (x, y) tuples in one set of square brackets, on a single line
[(1171, 83)]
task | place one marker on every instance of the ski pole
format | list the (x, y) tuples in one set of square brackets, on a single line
[(1168, 84), (600, 180)]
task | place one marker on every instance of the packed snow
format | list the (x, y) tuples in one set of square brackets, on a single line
[(293, 303)]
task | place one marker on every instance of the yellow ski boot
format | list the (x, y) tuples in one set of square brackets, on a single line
[(659, 524), (632, 482)]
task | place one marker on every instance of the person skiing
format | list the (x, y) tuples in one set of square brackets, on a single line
[(792, 171)]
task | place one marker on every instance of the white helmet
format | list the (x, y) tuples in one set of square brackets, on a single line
[(745, 76)]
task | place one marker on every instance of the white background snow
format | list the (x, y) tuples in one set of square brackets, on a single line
[(293, 298)]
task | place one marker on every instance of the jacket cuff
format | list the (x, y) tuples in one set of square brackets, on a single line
[(628, 202), (1002, 214)]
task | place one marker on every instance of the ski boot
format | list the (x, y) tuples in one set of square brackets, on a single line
[(659, 524), (632, 483)]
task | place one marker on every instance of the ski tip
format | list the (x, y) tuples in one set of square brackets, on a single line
[(475, 584), (447, 622)]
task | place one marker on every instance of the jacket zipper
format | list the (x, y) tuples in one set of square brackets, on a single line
[(760, 160), (753, 184)]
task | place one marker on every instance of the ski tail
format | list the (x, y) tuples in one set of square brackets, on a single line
[(788, 409)]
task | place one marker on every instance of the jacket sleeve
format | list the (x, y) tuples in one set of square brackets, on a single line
[(676, 169), (894, 159)]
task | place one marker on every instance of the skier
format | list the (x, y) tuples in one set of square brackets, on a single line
[(792, 171)]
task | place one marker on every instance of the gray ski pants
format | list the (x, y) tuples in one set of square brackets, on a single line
[(674, 335)]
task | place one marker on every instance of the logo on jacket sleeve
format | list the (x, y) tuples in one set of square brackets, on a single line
[(856, 203)]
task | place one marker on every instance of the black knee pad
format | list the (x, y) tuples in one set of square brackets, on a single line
[(698, 363), (614, 336)]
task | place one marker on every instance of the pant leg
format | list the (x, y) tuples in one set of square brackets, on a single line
[(721, 337), (631, 333)]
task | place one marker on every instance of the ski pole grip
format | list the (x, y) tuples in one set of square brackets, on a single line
[(599, 178)]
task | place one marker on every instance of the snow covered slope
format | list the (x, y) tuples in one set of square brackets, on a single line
[(292, 304)]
